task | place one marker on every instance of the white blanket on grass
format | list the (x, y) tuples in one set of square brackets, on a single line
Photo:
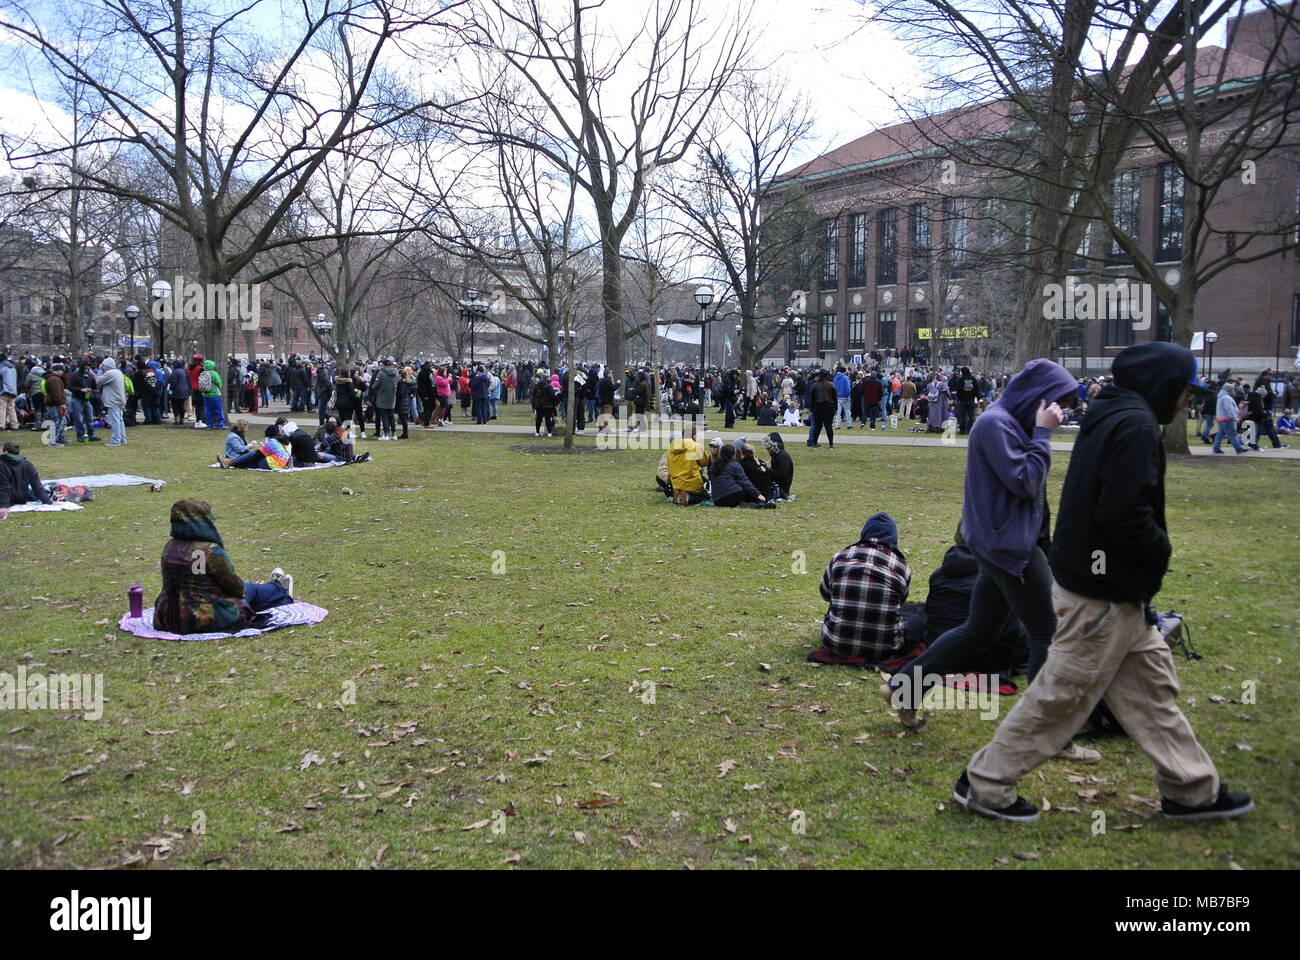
[(319, 466), (105, 480), (43, 507)]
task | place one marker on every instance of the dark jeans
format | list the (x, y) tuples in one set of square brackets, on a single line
[(481, 410), (965, 416), (547, 414), (264, 596), (871, 411), (823, 416), (252, 460), (384, 422), (997, 595), (729, 409), (734, 499), (1266, 426)]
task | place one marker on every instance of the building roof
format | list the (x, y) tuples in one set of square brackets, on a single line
[(1246, 58)]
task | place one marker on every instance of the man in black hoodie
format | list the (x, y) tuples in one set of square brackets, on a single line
[(1108, 558)]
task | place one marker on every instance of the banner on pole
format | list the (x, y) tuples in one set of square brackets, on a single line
[(679, 332)]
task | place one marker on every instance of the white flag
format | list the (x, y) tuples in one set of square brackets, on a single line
[(1198, 340), (726, 342)]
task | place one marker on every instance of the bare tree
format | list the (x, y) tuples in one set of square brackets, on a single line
[(605, 110), (228, 113), (723, 205)]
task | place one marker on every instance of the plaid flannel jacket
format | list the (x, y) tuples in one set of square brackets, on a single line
[(866, 585)]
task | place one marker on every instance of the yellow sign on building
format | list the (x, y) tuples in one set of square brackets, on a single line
[(953, 333)]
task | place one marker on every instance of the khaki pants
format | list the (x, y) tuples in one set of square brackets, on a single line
[(905, 407), (1100, 650), (8, 415)]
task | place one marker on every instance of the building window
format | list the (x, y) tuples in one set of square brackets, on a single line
[(830, 254), (25, 305), (918, 265), (802, 337), (1119, 331), (857, 331), (887, 246), (886, 328), (827, 338), (1169, 245), (1164, 325), (1126, 209), (958, 247), (858, 250), (267, 332)]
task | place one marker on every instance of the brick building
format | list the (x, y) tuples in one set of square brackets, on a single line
[(891, 268)]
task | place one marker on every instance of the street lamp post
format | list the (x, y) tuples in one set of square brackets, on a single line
[(704, 297), (789, 323), (1211, 338), (131, 312), (90, 340), (471, 310), (161, 291)]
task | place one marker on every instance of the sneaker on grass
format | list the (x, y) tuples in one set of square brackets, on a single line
[(1022, 811), (1228, 805)]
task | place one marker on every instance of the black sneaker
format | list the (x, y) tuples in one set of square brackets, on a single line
[(1227, 806), (1022, 811)]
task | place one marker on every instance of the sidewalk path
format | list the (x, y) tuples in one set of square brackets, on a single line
[(794, 436)]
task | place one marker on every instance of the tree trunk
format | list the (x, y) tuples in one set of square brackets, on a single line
[(612, 303)]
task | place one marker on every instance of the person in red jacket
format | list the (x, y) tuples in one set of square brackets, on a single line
[(193, 370)]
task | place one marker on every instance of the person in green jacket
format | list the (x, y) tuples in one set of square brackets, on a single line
[(213, 411)]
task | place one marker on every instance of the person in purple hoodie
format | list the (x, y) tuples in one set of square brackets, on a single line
[(1005, 522)]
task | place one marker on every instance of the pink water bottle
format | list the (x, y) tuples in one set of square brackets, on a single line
[(136, 597)]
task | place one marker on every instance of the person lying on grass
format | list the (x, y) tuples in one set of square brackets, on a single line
[(201, 593), (19, 481)]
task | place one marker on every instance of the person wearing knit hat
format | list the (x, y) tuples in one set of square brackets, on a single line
[(865, 586)]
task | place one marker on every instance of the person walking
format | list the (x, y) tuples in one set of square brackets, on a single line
[(1006, 522), (1225, 419), (1109, 559)]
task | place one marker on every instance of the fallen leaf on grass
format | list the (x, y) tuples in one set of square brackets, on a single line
[(725, 767), (477, 825), (76, 773), (1025, 856), (597, 802), (290, 827)]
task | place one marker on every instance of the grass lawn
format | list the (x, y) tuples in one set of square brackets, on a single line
[(513, 681)]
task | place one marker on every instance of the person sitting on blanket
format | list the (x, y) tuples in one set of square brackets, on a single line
[(866, 585), (19, 481), (301, 443), (237, 445), (334, 439), (271, 455), (201, 593)]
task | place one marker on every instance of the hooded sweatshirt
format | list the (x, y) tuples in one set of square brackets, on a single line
[(19, 481), (1111, 542), (201, 593), (1005, 512), (112, 385), (8, 378), (211, 367)]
